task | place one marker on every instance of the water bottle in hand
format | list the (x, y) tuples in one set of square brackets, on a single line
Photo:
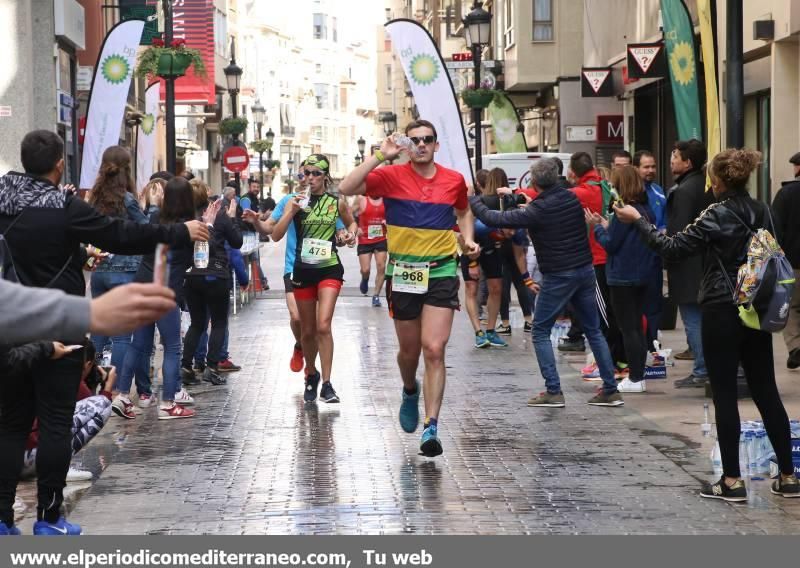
[(201, 254), (405, 142)]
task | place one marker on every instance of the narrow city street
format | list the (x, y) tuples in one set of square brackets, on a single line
[(257, 460)]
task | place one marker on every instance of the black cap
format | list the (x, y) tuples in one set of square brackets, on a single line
[(795, 159), (166, 176), (232, 183)]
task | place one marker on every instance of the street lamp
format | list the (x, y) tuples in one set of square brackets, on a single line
[(270, 138), (290, 163), (358, 160), (258, 111), (389, 121), (233, 76), (477, 29), (362, 144)]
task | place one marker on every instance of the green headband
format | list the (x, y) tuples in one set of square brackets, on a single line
[(317, 160)]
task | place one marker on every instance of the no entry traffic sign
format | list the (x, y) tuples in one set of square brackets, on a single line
[(236, 159)]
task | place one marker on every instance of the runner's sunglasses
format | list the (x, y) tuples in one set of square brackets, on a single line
[(315, 173), (427, 139)]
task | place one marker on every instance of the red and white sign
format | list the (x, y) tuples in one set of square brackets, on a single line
[(236, 159), (596, 79), (645, 55)]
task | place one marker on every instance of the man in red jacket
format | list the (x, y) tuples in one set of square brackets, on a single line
[(588, 191)]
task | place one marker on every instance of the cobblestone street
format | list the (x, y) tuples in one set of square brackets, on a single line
[(257, 460)]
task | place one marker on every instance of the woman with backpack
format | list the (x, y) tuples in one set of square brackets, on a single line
[(722, 232)]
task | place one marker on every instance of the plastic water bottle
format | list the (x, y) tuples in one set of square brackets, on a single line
[(744, 461), (705, 427), (794, 425), (201, 254), (405, 142), (716, 459), (752, 454)]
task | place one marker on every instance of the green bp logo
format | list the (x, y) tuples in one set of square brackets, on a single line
[(148, 122), (115, 69), (424, 69)]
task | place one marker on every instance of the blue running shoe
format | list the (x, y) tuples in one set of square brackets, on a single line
[(376, 301), (60, 528), (495, 340), (430, 446), (409, 411), (481, 340), (6, 530), (364, 286), (312, 382)]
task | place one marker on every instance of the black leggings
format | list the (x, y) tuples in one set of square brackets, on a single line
[(726, 343), (628, 304), (47, 393), (206, 298), (512, 275)]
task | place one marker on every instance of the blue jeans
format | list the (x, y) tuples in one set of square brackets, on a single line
[(101, 283), (691, 316), (137, 360), (579, 287)]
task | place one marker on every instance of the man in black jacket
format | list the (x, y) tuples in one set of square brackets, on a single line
[(685, 201), (786, 207), (557, 226), (44, 227)]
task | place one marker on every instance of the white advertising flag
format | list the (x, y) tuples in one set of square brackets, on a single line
[(146, 139), (110, 85), (433, 92)]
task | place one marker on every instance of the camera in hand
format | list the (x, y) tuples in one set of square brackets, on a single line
[(615, 201)]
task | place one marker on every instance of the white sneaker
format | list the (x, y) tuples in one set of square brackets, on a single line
[(147, 400), (74, 475), (184, 398), (627, 385)]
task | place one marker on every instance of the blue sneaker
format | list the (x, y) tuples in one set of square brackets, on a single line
[(376, 301), (312, 382), (495, 340), (481, 340), (60, 528), (409, 411), (6, 530), (364, 286), (430, 446)]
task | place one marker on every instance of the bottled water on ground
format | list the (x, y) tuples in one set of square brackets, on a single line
[(744, 469), (705, 427), (716, 459), (201, 254)]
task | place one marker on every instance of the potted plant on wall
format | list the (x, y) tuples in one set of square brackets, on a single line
[(231, 126), (174, 60), (479, 96)]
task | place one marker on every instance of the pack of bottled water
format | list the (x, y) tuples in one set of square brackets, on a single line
[(559, 331), (755, 449)]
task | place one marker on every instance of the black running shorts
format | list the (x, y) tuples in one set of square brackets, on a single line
[(490, 261), (380, 246), (442, 293)]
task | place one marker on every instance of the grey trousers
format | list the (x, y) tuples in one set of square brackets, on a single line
[(791, 333)]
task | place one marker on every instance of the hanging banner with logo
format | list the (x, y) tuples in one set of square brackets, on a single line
[(646, 60), (679, 41), (433, 92), (713, 133), (193, 22), (596, 82), (108, 95), (146, 139), (508, 132)]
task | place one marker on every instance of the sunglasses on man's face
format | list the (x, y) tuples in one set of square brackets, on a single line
[(426, 139), (315, 173)]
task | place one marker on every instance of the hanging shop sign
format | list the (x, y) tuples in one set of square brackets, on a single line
[(646, 60), (596, 82)]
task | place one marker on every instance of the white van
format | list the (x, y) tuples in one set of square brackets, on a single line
[(517, 165)]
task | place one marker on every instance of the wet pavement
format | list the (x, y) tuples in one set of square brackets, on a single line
[(257, 460)]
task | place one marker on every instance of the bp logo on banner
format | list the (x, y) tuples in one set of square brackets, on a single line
[(115, 69), (148, 122), (424, 69)]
